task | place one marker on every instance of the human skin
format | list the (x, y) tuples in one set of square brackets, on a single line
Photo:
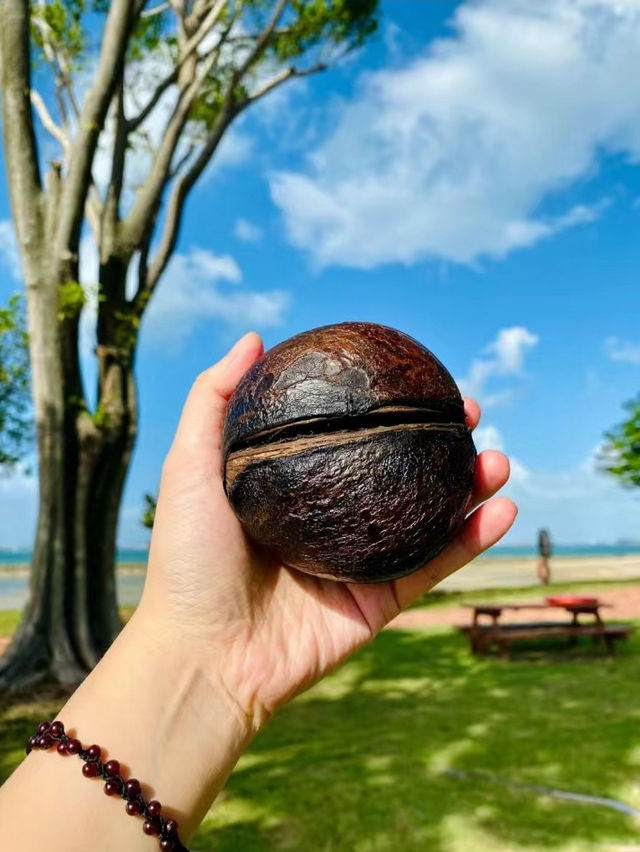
[(222, 638)]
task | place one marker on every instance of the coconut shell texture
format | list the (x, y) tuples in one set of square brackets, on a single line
[(347, 455)]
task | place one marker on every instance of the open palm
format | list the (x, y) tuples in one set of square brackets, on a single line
[(267, 631)]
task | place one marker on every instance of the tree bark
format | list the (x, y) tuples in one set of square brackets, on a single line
[(43, 641), (72, 614)]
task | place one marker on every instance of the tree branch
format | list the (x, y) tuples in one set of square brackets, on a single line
[(59, 66), (189, 49), (91, 122), (119, 150), (148, 197), (47, 121), (263, 39), (184, 184), (181, 162), (94, 212), (157, 10), (161, 88), (21, 153), (181, 189), (279, 79)]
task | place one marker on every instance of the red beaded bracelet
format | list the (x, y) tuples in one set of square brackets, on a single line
[(49, 734)]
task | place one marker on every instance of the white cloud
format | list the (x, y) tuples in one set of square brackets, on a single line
[(504, 357), (198, 286), (193, 291), (509, 349), (520, 473), (579, 503), (213, 266), (453, 155), (9, 256), (490, 438), (582, 488), (393, 37), (234, 150), (246, 231), (622, 350)]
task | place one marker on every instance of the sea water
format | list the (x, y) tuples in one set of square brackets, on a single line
[(14, 589)]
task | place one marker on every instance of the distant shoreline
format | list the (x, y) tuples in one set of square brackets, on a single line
[(584, 564), (21, 569), (133, 561)]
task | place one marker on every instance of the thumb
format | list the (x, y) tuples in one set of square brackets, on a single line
[(203, 412)]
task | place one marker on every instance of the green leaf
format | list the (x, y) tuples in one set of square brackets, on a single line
[(620, 455), (16, 425), (344, 23), (71, 300), (149, 511)]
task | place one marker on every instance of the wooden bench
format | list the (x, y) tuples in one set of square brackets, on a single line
[(484, 636)]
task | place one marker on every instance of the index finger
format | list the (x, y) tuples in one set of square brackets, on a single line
[(203, 412)]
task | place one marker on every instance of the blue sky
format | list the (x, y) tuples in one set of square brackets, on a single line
[(471, 177)]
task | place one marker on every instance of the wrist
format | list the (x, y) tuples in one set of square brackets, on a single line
[(165, 716)]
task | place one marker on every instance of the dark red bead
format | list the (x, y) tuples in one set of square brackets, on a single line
[(45, 741), (171, 828), (134, 807), (132, 788), (152, 827), (111, 786), (89, 770), (56, 730), (153, 808), (43, 727), (112, 768), (74, 746), (167, 845), (33, 742), (62, 748), (93, 752)]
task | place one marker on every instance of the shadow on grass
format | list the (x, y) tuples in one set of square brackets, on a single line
[(20, 713), (360, 761)]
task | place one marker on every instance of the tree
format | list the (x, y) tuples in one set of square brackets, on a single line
[(15, 423), (149, 511), (209, 61), (620, 455)]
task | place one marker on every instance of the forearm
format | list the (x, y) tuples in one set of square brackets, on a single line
[(150, 705)]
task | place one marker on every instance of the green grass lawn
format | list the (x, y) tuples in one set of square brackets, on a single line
[(440, 597), (360, 762), (9, 619)]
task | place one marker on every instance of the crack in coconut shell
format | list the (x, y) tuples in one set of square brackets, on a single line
[(238, 461), (398, 415)]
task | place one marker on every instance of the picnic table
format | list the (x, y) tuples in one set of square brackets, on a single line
[(483, 634)]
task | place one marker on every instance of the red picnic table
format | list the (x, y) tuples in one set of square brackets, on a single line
[(483, 635)]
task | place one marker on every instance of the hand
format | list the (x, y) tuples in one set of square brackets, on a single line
[(265, 632), (222, 637)]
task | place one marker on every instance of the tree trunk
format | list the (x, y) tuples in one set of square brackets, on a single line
[(118, 404), (72, 615)]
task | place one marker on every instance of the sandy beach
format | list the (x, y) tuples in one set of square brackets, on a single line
[(498, 572), (486, 572), (489, 572)]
